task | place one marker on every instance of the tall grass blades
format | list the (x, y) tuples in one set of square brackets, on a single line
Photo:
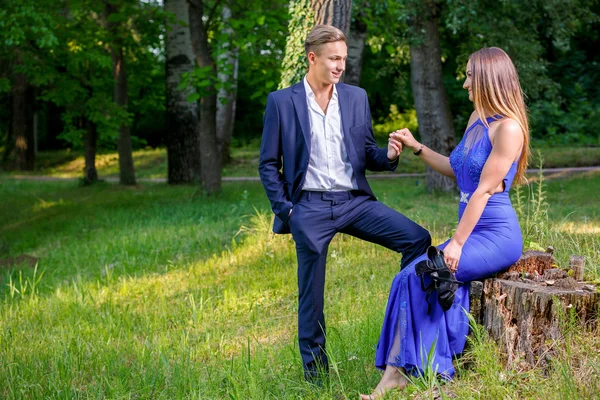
[(157, 292), (532, 210)]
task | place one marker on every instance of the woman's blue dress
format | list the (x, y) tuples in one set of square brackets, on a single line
[(408, 331)]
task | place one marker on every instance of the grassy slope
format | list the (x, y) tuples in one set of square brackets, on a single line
[(158, 292)]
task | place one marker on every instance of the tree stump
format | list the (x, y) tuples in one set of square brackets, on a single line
[(525, 309)]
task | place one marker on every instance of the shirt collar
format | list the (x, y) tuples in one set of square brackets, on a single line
[(311, 95)]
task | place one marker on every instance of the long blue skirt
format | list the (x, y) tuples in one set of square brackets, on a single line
[(413, 339)]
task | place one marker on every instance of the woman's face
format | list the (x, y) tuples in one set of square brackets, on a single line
[(467, 84)]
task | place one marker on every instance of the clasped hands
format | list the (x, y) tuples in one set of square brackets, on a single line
[(400, 139), (396, 142)]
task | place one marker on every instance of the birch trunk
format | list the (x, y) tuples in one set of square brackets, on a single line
[(183, 142), (228, 93)]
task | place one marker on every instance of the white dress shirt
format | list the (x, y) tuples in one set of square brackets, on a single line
[(329, 167)]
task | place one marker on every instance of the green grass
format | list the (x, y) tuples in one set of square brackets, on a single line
[(152, 163), (559, 157), (158, 292)]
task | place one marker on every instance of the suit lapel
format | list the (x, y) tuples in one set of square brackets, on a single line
[(299, 100), (344, 101)]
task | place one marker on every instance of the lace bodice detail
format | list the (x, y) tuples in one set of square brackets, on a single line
[(468, 158)]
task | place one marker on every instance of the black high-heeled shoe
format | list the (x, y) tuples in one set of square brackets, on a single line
[(442, 279)]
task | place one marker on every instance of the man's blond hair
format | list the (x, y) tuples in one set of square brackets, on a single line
[(320, 35)]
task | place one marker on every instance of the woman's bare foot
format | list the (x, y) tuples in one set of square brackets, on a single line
[(393, 378)]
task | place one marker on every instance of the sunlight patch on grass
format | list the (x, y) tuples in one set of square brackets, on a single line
[(579, 228), (44, 205), (162, 293)]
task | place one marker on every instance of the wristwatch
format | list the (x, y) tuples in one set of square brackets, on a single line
[(418, 152)]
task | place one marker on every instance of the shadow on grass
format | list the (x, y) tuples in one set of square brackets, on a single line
[(132, 231)]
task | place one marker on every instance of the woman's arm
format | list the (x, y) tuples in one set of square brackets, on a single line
[(435, 160), (507, 142)]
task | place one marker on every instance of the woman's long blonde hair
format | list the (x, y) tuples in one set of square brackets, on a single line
[(497, 91)]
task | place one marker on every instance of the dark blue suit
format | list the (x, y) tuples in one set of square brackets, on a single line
[(318, 216)]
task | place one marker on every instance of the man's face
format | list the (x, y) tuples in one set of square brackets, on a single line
[(330, 63)]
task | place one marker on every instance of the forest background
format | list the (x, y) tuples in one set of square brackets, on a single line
[(192, 77)]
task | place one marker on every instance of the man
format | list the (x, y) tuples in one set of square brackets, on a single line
[(317, 142)]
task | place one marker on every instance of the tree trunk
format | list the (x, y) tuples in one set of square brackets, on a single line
[(22, 123), (333, 12), (90, 175), (526, 319), (227, 93), (210, 159), (126, 170), (124, 147), (356, 46), (9, 146), (183, 142), (433, 113), (527, 308)]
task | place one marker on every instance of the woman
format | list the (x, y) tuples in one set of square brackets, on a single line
[(493, 152)]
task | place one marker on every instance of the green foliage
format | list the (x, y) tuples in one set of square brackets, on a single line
[(25, 22), (571, 124), (294, 65), (64, 51), (256, 31), (550, 42), (395, 121)]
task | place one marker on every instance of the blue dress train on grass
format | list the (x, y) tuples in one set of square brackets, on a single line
[(408, 331)]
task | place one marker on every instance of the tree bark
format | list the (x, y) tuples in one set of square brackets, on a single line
[(124, 146), (183, 141), (526, 309), (210, 158), (526, 319), (22, 123), (90, 174), (333, 12), (356, 47), (10, 139), (227, 93), (433, 112)]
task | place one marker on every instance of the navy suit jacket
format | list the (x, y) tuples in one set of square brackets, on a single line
[(285, 147)]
